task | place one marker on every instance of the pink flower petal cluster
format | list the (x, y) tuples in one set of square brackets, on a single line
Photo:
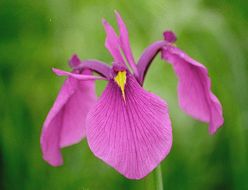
[(127, 127)]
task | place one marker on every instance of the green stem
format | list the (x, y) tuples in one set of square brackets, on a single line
[(154, 181), (158, 178)]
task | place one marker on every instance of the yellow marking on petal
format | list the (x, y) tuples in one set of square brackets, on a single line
[(121, 79)]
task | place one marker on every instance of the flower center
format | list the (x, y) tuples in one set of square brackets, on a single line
[(121, 79)]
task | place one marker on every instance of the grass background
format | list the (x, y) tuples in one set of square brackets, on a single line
[(38, 35)]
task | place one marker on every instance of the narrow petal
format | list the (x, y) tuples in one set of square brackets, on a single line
[(76, 76), (132, 135), (112, 43), (194, 88), (65, 123), (147, 57), (124, 42)]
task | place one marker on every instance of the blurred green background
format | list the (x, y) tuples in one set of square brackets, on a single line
[(38, 35)]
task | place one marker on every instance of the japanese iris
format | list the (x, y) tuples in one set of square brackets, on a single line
[(127, 127)]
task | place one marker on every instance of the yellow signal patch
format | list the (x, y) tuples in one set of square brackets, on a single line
[(121, 79)]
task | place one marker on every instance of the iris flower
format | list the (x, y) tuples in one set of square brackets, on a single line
[(127, 127)]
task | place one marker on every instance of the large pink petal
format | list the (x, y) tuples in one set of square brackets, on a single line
[(124, 42), (134, 135), (112, 43), (65, 123), (194, 88)]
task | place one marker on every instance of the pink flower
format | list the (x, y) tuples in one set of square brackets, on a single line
[(127, 127)]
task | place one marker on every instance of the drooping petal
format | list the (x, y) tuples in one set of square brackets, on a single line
[(134, 134), (76, 76), (147, 57), (65, 123), (112, 43), (124, 42), (194, 88)]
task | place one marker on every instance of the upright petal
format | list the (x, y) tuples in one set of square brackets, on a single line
[(65, 123), (134, 134), (194, 88), (124, 42), (112, 42)]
